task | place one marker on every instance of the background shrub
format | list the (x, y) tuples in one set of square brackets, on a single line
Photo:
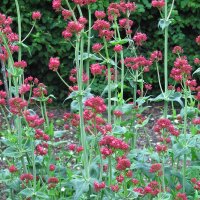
[(46, 40)]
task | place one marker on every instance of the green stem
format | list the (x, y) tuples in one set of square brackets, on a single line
[(166, 61), (163, 175), (109, 81), (5, 116), (110, 170), (73, 15), (62, 79), (89, 43), (34, 168), (29, 31), (185, 136), (80, 44), (158, 73), (19, 29), (45, 114)]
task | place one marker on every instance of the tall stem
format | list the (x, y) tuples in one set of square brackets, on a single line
[(80, 44), (163, 175), (110, 170), (5, 116), (19, 29), (185, 132), (3, 69), (109, 81), (88, 47), (166, 60)]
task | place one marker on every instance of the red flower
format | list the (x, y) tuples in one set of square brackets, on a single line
[(139, 38), (36, 15), (97, 47), (12, 169), (118, 48), (155, 167), (198, 40), (54, 63), (158, 3), (100, 14), (99, 186), (20, 64), (52, 167), (114, 188)]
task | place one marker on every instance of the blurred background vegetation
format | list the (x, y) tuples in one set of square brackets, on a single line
[(46, 40)]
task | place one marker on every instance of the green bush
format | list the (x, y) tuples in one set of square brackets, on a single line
[(46, 40)]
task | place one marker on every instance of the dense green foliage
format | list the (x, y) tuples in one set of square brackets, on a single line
[(46, 40)]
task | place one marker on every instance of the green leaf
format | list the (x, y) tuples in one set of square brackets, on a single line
[(197, 71), (42, 195), (28, 192), (123, 41), (59, 134), (113, 87), (170, 95), (89, 56), (119, 130), (81, 186), (163, 196), (163, 23), (12, 152), (180, 150)]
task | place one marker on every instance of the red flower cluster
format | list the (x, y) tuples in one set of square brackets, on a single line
[(158, 4), (196, 184), (156, 56), (36, 15), (181, 196), (197, 61), (123, 164), (42, 149), (139, 38), (74, 147), (152, 188), (114, 188), (52, 182), (118, 48), (97, 47), (96, 69), (52, 167), (72, 118), (84, 2), (198, 40), (66, 14), (167, 125), (99, 186), (54, 63), (136, 62), (100, 14), (33, 120), (181, 69), (26, 177), (118, 113), (111, 144), (12, 169), (177, 50), (56, 4), (24, 88), (40, 90), (20, 64), (97, 104), (126, 24), (155, 168), (17, 105), (2, 97)]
